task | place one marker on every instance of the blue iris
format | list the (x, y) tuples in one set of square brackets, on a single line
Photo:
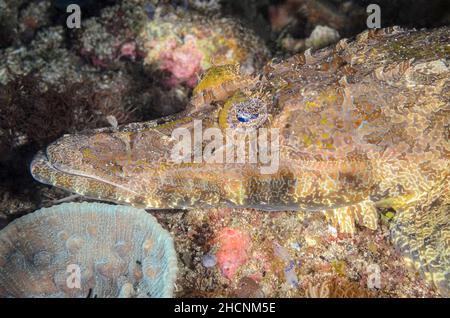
[(246, 117)]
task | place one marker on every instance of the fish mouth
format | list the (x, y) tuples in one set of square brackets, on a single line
[(40, 167), (44, 171), (59, 158), (45, 164)]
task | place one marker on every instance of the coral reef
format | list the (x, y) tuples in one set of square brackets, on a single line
[(248, 288), (304, 24), (339, 151), (320, 37), (33, 112), (174, 41), (293, 21), (33, 17), (55, 81), (136, 60), (338, 288), (9, 16), (185, 44), (318, 255), (232, 251), (318, 291), (105, 39), (116, 251), (45, 54), (49, 89)]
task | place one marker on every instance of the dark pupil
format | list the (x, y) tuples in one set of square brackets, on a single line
[(246, 117)]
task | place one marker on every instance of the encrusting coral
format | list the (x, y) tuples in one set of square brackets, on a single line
[(337, 288), (185, 44), (86, 250)]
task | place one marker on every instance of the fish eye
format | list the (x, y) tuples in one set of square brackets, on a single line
[(243, 113), (245, 117)]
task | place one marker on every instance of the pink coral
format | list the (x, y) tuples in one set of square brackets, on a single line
[(129, 50), (183, 63), (233, 250)]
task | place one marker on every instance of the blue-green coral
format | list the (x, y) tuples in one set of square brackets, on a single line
[(120, 251)]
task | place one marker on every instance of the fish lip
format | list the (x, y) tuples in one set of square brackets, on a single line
[(43, 161), (40, 159)]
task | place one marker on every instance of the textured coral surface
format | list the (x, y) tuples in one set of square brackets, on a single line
[(113, 251)]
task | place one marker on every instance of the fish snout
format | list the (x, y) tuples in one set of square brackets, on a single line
[(67, 151)]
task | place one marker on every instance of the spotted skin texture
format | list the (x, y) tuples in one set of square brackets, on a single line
[(363, 127)]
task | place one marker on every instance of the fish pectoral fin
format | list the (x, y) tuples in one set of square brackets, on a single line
[(398, 202), (344, 219)]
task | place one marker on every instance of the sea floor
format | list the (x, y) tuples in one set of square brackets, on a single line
[(250, 253)]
